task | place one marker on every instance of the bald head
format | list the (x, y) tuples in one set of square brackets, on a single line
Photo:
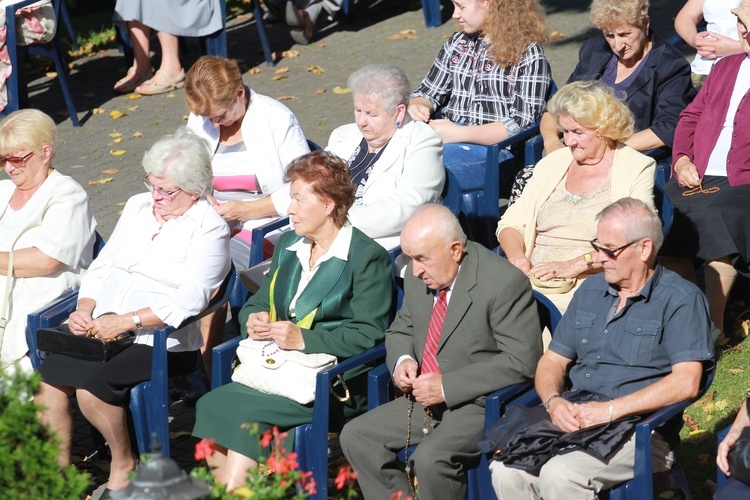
[(435, 242)]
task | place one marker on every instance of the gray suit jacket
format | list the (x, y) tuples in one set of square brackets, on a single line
[(491, 337)]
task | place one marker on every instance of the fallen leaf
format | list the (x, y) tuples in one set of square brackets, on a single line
[(407, 32), (286, 98), (322, 45), (185, 117), (170, 95), (696, 432), (100, 181), (243, 16), (723, 342), (254, 70), (98, 111), (283, 69), (51, 74), (315, 69), (709, 397), (137, 134), (341, 90), (118, 140), (279, 77), (320, 91), (133, 108), (667, 494), (120, 204), (116, 115), (690, 422), (556, 35), (403, 37), (117, 152), (290, 54), (736, 371), (722, 404), (110, 171), (134, 96), (115, 135)]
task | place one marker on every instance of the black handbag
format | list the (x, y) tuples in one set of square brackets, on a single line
[(739, 454), (61, 341)]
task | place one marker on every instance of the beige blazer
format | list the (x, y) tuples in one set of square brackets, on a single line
[(632, 175)]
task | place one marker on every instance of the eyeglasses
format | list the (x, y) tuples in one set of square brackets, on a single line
[(167, 195), (16, 161), (612, 253)]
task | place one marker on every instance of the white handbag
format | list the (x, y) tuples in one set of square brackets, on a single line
[(269, 369)]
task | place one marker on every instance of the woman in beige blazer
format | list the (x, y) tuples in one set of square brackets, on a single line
[(548, 232)]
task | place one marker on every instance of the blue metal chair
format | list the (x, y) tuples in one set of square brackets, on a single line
[(380, 391), (149, 400), (665, 207), (50, 50), (721, 478), (452, 196)]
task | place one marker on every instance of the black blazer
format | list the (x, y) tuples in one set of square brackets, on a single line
[(658, 94)]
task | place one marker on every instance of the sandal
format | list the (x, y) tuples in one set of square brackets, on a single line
[(132, 79), (159, 84)]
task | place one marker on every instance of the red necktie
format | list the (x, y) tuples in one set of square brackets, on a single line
[(437, 318)]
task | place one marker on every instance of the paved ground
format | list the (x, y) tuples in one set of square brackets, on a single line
[(309, 76)]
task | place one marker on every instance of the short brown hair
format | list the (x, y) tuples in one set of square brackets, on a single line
[(328, 177), (610, 14), (212, 80)]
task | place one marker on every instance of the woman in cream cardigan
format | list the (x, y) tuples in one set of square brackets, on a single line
[(396, 166), (547, 233)]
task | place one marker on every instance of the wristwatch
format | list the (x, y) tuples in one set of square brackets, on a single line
[(588, 260), (137, 319)]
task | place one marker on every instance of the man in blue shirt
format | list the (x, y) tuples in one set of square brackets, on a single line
[(637, 334)]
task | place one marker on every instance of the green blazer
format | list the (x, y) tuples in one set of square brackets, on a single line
[(353, 297)]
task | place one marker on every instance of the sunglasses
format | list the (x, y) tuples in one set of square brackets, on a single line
[(612, 253), (16, 161), (167, 195)]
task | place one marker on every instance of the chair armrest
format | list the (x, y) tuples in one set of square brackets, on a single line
[(378, 386), (221, 371), (497, 399), (258, 234), (51, 315), (522, 135)]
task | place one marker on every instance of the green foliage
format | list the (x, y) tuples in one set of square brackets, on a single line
[(28, 468)]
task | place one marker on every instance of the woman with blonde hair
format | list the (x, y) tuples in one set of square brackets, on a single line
[(549, 232), (490, 80), (651, 76)]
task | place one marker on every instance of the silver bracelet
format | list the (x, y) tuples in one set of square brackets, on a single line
[(610, 412), (137, 319), (549, 401)]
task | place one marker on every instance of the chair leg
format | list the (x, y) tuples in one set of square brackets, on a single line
[(258, 15), (63, 79), (65, 15)]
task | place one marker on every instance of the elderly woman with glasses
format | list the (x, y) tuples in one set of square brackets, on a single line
[(165, 259), (46, 224), (547, 232)]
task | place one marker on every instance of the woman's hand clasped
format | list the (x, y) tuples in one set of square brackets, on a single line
[(78, 321), (285, 334), (687, 173), (107, 327), (545, 271)]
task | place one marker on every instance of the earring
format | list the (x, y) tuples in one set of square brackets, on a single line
[(398, 123)]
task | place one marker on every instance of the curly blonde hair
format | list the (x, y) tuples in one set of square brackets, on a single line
[(595, 106), (511, 26), (606, 14)]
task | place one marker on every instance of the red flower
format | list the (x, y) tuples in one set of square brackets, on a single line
[(399, 495), (265, 440), (203, 449), (280, 436), (282, 462), (346, 477), (311, 487)]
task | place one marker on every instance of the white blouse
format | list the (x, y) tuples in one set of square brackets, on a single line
[(174, 269)]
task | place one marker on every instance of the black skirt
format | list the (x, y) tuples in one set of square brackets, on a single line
[(112, 380), (708, 226)]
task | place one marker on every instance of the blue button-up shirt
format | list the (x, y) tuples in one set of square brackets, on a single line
[(618, 353)]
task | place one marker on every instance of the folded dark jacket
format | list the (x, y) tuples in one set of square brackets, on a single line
[(525, 438)]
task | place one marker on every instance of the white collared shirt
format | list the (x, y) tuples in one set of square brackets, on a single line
[(173, 268)]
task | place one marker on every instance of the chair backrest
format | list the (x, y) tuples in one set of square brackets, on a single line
[(313, 146), (665, 207), (452, 193), (549, 314)]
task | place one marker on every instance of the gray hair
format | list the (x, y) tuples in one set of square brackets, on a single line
[(642, 222), (442, 222), (388, 83), (186, 157)]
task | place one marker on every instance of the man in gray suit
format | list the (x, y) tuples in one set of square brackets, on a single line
[(468, 327)]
